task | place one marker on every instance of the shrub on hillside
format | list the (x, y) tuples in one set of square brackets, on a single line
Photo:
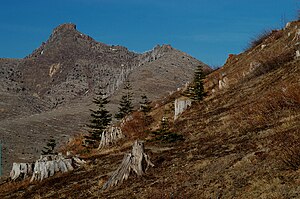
[(164, 134), (259, 39)]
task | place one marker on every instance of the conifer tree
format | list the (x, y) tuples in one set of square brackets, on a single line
[(145, 105), (196, 91), (49, 148), (100, 118), (125, 106), (146, 108)]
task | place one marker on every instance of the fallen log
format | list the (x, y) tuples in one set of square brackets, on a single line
[(137, 161)]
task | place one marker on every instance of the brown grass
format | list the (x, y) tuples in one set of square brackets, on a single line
[(268, 109), (74, 146), (135, 127), (11, 186), (270, 62), (264, 36), (259, 39)]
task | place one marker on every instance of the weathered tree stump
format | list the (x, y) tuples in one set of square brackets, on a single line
[(110, 136), (136, 161), (48, 165), (20, 170), (44, 167)]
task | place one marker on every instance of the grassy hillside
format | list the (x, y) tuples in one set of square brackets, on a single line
[(241, 141)]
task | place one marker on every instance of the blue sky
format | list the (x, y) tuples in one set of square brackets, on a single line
[(206, 29)]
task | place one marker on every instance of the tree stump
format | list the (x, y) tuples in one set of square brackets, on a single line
[(44, 167), (20, 170), (136, 161), (110, 136), (48, 165)]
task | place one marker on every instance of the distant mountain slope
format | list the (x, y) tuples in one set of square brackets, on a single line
[(49, 92), (161, 71)]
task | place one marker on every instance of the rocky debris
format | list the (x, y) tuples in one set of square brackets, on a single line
[(181, 105), (137, 161)]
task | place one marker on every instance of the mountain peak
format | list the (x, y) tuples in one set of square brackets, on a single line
[(65, 26)]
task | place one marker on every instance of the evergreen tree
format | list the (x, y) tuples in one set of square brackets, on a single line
[(164, 126), (100, 118), (196, 91), (145, 105), (49, 148), (125, 106), (146, 108)]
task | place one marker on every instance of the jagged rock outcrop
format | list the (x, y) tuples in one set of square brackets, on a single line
[(154, 54)]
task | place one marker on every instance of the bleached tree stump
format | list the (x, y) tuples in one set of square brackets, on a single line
[(44, 167), (110, 136), (48, 165), (20, 170), (136, 161)]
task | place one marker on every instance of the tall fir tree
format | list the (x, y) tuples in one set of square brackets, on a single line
[(145, 107), (196, 91), (125, 106), (100, 118)]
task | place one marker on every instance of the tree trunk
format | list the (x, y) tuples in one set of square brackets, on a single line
[(20, 170), (44, 167), (134, 161), (110, 136)]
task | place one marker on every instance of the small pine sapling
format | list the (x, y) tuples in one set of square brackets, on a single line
[(196, 90)]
